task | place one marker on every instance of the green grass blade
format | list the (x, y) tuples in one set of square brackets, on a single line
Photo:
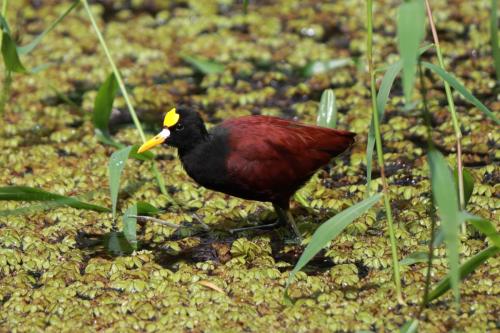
[(483, 226), (115, 167), (414, 258), (204, 66), (446, 199), (495, 48), (410, 326), (103, 106), (331, 229), (4, 25), (10, 56), (388, 79), (382, 96), (321, 66), (34, 43), (116, 244), (452, 81), (468, 181), (25, 193), (465, 269), (327, 115), (144, 208), (130, 226), (411, 31)]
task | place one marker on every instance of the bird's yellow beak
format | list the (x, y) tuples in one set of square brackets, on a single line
[(157, 140)]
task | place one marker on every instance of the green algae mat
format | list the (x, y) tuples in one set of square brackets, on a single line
[(64, 269)]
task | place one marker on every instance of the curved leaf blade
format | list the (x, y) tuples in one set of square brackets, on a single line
[(25, 193), (130, 226), (34, 43), (483, 226), (115, 168), (382, 96), (446, 199), (10, 56), (322, 66), (103, 105), (410, 33), (327, 115), (203, 65), (331, 229), (388, 79), (410, 326), (465, 269), (452, 81), (468, 183), (144, 208), (116, 244)]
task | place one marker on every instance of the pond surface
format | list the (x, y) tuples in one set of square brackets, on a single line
[(54, 275)]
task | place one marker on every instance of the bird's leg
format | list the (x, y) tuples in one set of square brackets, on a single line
[(262, 226), (286, 218)]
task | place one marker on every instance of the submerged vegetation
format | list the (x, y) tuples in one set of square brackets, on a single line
[(95, 236)]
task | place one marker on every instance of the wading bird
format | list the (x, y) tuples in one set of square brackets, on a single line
[(253, 157)]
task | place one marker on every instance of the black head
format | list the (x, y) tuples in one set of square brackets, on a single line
[(182, 128), (188, 131)]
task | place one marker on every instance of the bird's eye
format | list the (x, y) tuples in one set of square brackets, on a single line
[(179, 127)]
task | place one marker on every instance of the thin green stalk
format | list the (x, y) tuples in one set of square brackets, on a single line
[(427, 120), (123, 90), (7, 81), (451, 106), (380, 154), (118, 76), (494, 37), (4, 7)]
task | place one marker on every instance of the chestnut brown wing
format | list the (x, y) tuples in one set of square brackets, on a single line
[(272, 157)]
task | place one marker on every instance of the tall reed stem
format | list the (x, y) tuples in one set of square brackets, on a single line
[(432, 212), (4, 7), (380, 153), (117, 74), (130, 107), (451, 106)]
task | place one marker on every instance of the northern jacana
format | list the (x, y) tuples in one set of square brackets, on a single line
[(253, 157)]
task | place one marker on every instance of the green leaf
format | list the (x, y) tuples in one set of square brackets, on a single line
[(452, 81), (322, 66), (468, 183), (203, 65), (414, 258), (34, 43), (465, 269), (483, 226), (25, 193), (245, 6), (445, 197), (331, 229), (411, 31), (144, 208), (327, 115), (4, 25), (145, 156), (115, 167), (382, 97), (103, 106), (130, 226), (116, 244), (410, 326), (10, 56)]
